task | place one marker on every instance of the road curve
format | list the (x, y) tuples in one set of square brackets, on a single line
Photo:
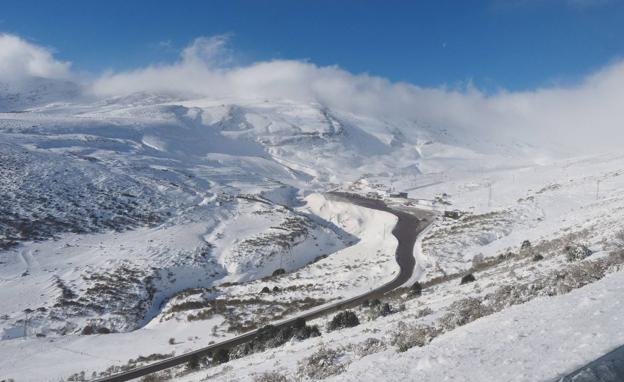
[(406, 231)]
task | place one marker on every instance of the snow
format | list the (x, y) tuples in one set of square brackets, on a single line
[(116, 212), (536, 341)]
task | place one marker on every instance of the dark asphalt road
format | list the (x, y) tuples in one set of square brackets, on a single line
[(406, 231)]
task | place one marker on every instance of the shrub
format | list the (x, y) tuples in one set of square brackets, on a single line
[(385, 309), (416, 289), (322, 364), (619, 238), (580, 275), (408, 336), (279, 271), (369, 346), (88, 330), (538, 257), (171, 341), (525, 245), (346, 319), (424, 312), (221, 356), (575, 252), (477, 260), (467, 279), (193, 363), (270, 377), (265, 290), (464, 311), (155, 377)]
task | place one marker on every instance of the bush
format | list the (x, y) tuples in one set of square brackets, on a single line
[(385, 309), (270, 377), (467, 279), (88, 330), (265, 290), (270, 336), (221, 356), (538, 257), (575, 252), (526, 245), (408, 336), (171, 341), (322, 364), (464, 311), (369, 346), (580, 275), (193, 363), (155, 377), (279, 271), (346, 319), (416, 289)]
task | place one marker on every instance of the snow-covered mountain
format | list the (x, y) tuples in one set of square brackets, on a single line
[(36, 91), (134, 214)]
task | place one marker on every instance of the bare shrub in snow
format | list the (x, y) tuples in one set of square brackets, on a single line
[(322, 364), (575, 252), (462, 312), (619, 238), (270, 377), (382, 310), (156, 377), (424, 312), (514, 294), (580, 275), (477, 260), (369, 346), (408, 336), (615, 261)]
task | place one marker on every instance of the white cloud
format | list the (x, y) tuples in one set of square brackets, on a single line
[(21, 60), (587, 115)]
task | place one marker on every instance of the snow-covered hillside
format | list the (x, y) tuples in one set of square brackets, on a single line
[(142, 218)]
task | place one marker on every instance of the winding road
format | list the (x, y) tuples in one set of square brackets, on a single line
[(407, 229)]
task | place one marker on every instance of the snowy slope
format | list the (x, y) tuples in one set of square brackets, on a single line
[(139, 215)]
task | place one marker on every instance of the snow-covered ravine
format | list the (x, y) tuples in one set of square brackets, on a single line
[(372, 252)]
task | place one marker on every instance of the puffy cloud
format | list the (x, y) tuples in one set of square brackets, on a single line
[(21, 60), (587, 115)]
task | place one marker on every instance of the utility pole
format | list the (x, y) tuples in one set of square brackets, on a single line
[(490, 194)]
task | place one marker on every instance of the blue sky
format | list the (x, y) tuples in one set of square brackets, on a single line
[(516, 45)]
